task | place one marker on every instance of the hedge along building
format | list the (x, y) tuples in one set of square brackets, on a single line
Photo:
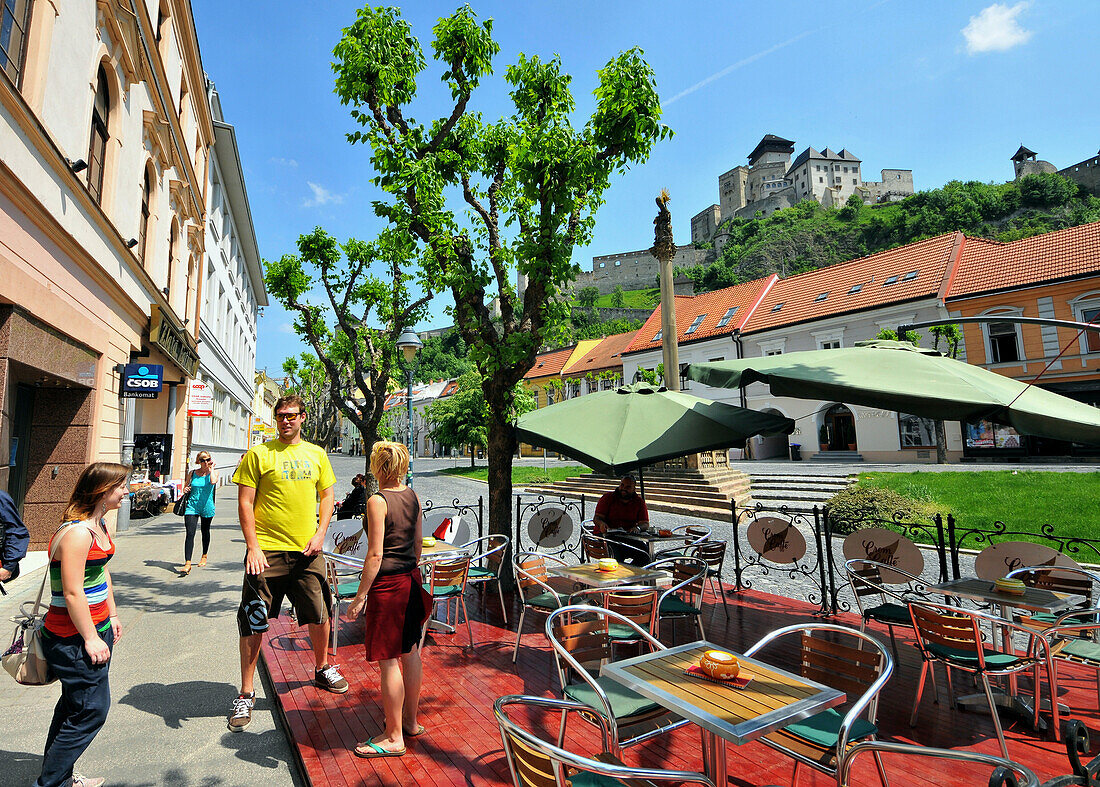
[(105, 132), (1056, 275)]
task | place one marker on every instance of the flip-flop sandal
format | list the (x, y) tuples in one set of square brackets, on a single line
[(184, 572), (420, 730), (378, 751), (202, 563)]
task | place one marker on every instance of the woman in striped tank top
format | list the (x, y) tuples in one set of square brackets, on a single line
[(81, 625)]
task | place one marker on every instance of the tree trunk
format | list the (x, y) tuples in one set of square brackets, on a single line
[(502, 441), (941, 442), (473, 455)]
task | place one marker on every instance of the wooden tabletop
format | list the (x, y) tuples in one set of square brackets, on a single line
[(1035, 599), (772, 700), (441, 550), (592, 575)]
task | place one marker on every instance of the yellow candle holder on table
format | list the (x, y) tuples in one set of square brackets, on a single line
[(428, 541), (607, 564), (1014, 586)]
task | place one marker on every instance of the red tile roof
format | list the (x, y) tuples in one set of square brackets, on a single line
[(608, 354), (548, 364), (798, 298), (713, 305), (987, 266), (449, 389)]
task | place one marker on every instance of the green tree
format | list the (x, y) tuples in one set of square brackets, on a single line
[(950, 335), (588, 296), (306, 377), (910, 336), (617, 296), (463, 417), (369, 310), (442, 358), (531, 183)]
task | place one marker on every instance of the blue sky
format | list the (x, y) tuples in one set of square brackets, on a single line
[(947, 89)]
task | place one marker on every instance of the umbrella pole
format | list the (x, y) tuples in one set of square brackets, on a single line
[(641, 483)]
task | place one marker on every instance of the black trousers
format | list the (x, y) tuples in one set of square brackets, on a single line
[(80, 713), (191, 522)]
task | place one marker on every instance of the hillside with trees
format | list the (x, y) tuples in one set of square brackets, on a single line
[(808, 236)]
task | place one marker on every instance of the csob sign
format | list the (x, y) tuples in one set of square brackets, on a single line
[(141, 381), (200, 400)]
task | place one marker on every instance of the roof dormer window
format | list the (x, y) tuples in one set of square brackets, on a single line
[(855, 288), (657, 338), (777, 307), (910, 276), (821, 297), (722, 323), (889, 281), (695, 324)]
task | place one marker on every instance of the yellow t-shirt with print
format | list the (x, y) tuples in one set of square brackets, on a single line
[(287, 480)]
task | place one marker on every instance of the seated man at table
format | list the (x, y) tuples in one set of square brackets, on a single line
[(622, 509)]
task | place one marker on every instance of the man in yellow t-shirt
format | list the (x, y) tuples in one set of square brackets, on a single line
[(278, 486)]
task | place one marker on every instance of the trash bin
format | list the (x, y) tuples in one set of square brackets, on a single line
[(796, 452)]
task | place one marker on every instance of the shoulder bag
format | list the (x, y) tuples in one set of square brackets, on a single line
[(181, 504), (25, 660)]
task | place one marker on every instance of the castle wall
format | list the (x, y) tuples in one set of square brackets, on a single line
[(1087, 173), (704, 223), (733, 191), (783, 198), (633, 270)]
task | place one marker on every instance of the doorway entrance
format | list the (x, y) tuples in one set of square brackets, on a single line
[(22, 416), (841, 426), (773, 445)]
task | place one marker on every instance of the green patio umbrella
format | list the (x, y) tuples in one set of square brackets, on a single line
[(637, 425), (898, 376)]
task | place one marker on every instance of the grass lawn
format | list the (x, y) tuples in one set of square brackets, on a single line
[(1023, 501), (634, 299), (521, 474)]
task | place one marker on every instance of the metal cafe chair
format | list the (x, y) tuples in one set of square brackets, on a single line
[(881, 601), (343, 573), (636, 602), (951, 636), (447, 583), (1074, 580), (1074, 638), (535, 591), (534, 762), (488, 553), (692, 535), (860, 670), (597, 547), (1006, 773), (579, 637), (713, 553), (684, 598)]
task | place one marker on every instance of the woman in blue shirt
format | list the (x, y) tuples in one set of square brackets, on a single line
[(200, 508)]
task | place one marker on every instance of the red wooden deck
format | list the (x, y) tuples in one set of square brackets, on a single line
[(462, 745)]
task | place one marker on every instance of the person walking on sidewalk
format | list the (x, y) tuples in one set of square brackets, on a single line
[(14, 539), (81, 625), (201, 483), (278, 483), (392, 592)]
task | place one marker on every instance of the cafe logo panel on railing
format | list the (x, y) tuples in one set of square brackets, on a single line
[(776, 540), (550, 527), (886, 547)]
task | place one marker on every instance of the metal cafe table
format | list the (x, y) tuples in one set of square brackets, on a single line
[(773, 699), (592, 575), (649, 540), (1033, 600)]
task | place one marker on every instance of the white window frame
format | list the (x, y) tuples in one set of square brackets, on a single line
[(830, 335), (773, 346), (1003, 311), (1081, 304)]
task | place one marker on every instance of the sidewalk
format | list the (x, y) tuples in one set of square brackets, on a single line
[(175, 671)]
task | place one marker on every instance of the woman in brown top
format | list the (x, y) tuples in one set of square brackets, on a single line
[(391, 589)]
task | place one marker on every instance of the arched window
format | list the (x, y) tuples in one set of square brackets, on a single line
[(97, 146), (143, 228), (15, 16)]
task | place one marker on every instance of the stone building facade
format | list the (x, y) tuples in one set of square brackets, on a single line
[(1087, 172), (772, 181)]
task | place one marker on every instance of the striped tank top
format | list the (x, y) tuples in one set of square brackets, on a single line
[(58, 622)]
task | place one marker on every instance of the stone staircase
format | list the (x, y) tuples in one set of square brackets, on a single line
[(693, 493), (797, 491), (837, 457)]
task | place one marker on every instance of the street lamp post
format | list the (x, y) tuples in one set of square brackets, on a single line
[(408, 343)]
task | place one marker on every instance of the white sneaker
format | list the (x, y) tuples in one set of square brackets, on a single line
[(84, 781)]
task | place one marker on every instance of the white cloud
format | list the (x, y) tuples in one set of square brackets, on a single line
[(996, 29), (285, 162), (321, 196)]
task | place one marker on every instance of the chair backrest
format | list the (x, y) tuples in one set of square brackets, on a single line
[(686, 573), (534, 762), (1061, 579), (491, 550), (1005, 772), (585, 640), (595, 547), (450, 573), (531, 575), (634, 602), (946, 627), (864, 578), (713, 553)]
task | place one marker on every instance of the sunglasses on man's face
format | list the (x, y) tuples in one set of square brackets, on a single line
[(286, 416)]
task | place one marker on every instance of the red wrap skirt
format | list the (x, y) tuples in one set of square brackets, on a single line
[(397, 609)]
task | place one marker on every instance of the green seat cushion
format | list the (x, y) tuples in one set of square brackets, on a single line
[(1082, 650), (546, 600), (888, 613), (588, 779), (347, 589), (1049, 618), (673, 605), (624, 702), (824, 728), (479, 574), (993, 660), (443, 591), (621, 631)]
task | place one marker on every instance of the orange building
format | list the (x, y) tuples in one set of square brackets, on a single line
[(1055, 275)]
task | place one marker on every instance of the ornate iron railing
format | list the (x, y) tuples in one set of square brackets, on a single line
[(1081, 550), (471, 510), (549, 524)]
